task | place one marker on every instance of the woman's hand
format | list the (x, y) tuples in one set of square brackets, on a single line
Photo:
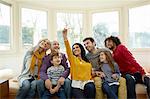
[(65, 33)]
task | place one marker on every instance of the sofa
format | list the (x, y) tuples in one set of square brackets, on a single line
[(5, 76), (14, 86)]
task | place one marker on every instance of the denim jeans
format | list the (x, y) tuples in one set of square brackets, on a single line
[(67, 88), (111, 91), (147, 83), (27, 90), (40, 87), (60, 94), (88, 92), (132, 80)]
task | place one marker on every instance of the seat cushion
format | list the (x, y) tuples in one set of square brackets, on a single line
[(141, 89)]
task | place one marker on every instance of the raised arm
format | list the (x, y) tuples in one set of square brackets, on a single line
[(68, 49)]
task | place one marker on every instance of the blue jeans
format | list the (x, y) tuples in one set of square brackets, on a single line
[(60, 94), (67, 88), (88, 92), (111, 91), (27, 90), (40, 87), (130, 82)]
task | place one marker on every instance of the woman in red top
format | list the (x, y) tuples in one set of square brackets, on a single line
[(129, 67)]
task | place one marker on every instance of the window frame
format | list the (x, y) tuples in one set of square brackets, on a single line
[(127, 17), (21, 46), (104, 10), (11, 34), (83, 12)]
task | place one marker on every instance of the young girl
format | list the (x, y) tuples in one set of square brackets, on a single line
[(110, 75)]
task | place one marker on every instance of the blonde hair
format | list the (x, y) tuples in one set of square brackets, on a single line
[(44, 40)]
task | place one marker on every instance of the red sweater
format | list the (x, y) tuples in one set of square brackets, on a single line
[(126, 61)]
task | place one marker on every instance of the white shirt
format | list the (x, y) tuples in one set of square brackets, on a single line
[(80, 84)]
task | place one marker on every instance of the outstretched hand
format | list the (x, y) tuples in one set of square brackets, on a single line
[(65, 33)]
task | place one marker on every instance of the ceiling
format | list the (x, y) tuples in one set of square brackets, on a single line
[(81, 3)]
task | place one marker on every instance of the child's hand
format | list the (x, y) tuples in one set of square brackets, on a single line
[(100, 74), (52, 91), (114, 76), (61, 81), (56, 88)]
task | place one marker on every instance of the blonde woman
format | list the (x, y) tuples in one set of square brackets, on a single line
[(30, 71)]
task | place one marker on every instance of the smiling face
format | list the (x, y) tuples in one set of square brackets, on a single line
[(45, 44), (110, 44), (90, 46), (55, 46), (56, 60), (76, 50), (102, 57)]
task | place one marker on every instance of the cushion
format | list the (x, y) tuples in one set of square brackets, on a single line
[(141, 89), (6, 74)]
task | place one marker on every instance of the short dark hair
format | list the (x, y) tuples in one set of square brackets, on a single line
[(89, 38), (116, 40), (53, 53)]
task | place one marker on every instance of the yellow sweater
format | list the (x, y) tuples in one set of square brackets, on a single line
[(79, 69)]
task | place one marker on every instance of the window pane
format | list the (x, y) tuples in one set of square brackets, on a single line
[(34, 26), (139, 27), (5, 27), (104, 25), (74, 22)]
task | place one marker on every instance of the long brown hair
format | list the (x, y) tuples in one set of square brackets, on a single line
[(109, 59)]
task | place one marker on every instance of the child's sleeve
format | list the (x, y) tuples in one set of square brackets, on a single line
[(117, 71)]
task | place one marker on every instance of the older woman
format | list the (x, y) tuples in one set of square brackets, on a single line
[(30, 71)]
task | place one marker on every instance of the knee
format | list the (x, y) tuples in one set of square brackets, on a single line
[(90, 86), (97, 82), (122, 81), (33, 84), (26, 85), (104, 85), (40, 82), (129, 78), (67, 82)]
